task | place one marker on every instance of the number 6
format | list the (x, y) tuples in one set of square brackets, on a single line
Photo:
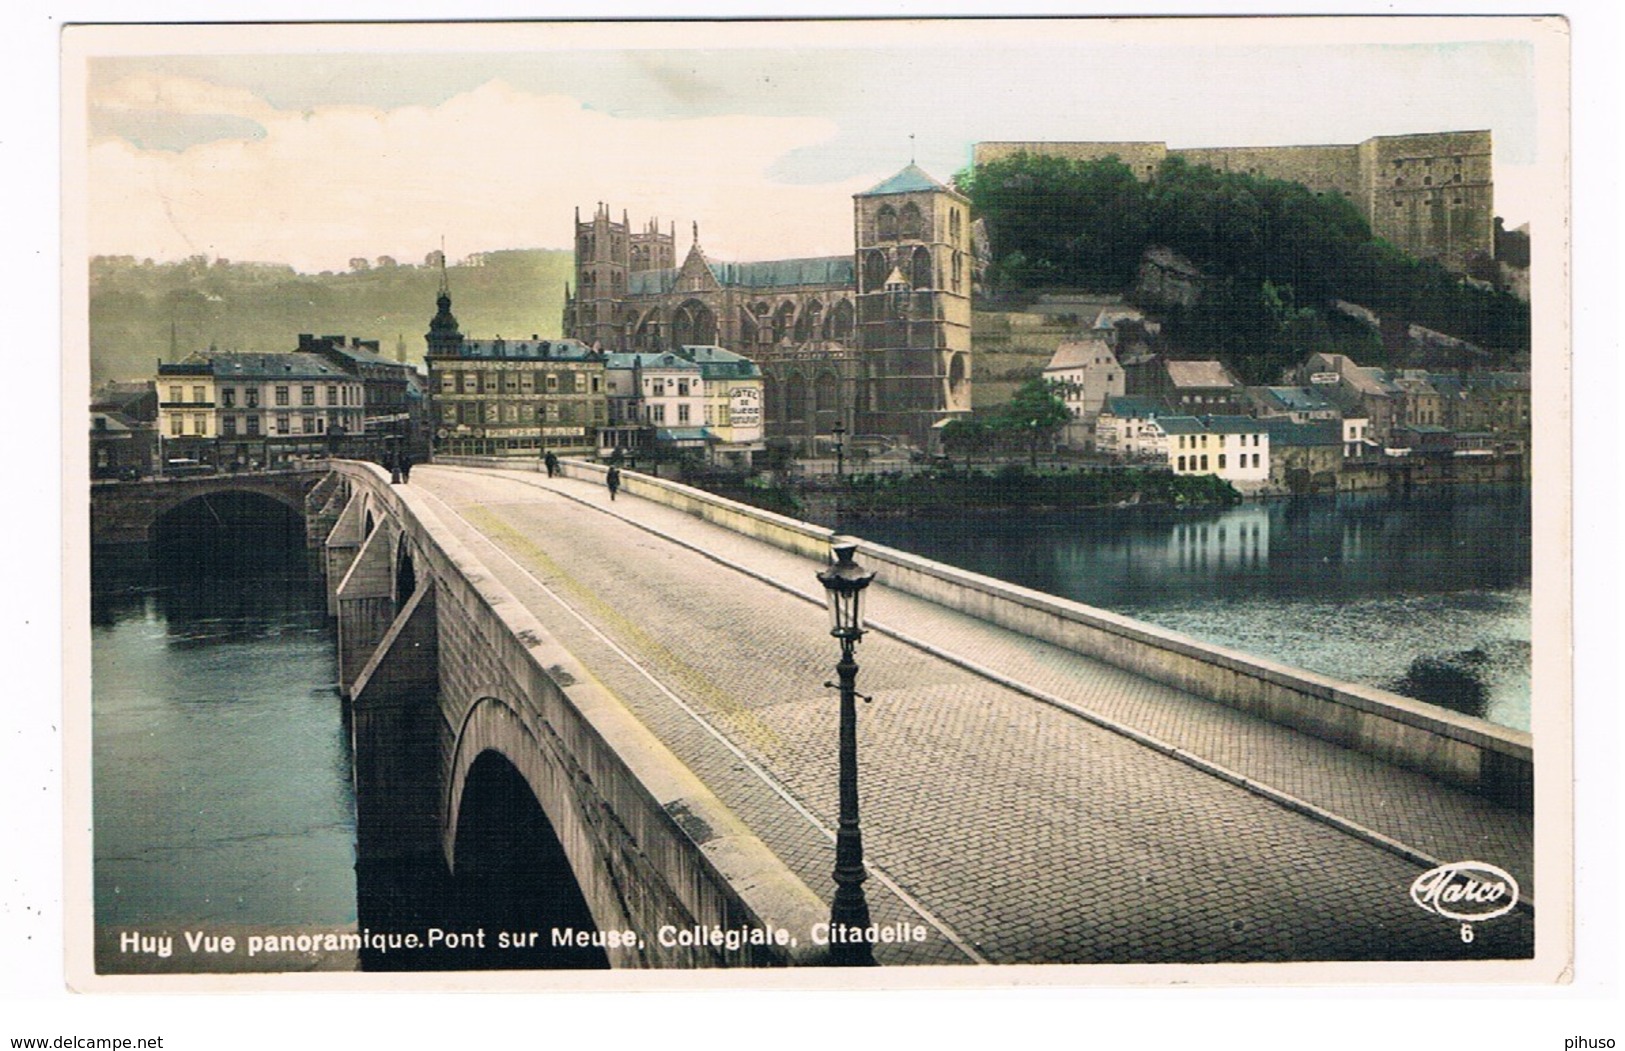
[(1467, 933)]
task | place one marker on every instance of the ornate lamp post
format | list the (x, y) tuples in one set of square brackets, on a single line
[(844, 582), (839, 431)]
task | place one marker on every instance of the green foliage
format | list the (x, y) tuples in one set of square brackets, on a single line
[(1274, 252), (1032, 417), (1058, 222), (263, 308), (949, 492)]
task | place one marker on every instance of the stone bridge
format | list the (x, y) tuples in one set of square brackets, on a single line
[(127, 512), (1043, 782), (448, 677)]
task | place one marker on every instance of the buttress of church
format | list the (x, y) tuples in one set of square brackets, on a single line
[(877, 342)]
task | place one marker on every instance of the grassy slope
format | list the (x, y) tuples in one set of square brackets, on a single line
[(248, 308)]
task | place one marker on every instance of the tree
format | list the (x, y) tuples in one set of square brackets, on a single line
[(1033, 416), (967, 436)]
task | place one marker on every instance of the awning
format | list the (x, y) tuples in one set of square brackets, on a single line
[(682, 437)]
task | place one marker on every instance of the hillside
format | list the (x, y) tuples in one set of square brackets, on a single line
[(1272, 256), (135, 305)]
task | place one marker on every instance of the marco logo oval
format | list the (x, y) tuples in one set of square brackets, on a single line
[(1466, 890)]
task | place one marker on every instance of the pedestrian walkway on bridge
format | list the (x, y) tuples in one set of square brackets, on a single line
[(1019, 800)]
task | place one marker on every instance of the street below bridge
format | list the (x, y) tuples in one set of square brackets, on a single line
[(1020, 802)]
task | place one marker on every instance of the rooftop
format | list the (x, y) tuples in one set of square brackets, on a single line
[(1199, 374), (912, 179)]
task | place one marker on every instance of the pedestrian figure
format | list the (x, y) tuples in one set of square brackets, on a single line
[(552, 463), (406, 468), (394, 464), (613, 480)]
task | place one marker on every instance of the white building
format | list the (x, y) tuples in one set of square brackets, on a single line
[(1236, 448), (1127, 429), (733, 403), (654, 398)]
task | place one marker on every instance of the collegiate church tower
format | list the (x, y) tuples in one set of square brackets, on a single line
[(603, 258), (913, 260)]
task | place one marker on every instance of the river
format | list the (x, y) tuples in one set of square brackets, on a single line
[(222, 790), (1426, 594)]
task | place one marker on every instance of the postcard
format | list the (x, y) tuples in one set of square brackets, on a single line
[(650, 504)]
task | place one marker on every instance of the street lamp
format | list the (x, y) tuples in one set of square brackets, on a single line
[(844, 582), (840, 460)]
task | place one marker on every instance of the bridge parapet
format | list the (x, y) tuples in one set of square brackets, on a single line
[(1475, 754)]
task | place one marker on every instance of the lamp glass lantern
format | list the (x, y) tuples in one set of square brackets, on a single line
[(844, 583)]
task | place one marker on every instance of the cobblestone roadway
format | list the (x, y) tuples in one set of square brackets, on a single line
[(1031, 834)]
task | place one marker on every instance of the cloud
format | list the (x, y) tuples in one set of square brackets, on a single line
[(491, 168)]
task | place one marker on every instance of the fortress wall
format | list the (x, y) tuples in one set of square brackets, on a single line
[(1324, 169), (1143, 157)]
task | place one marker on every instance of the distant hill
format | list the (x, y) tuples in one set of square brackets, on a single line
[(264, 307)]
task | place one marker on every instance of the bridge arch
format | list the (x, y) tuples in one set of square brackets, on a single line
[(169, 502), (406, 574), (495, 729)]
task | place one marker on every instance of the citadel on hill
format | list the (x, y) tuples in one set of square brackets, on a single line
[(1430, 194)]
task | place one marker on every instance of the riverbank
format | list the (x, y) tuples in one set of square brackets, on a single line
[(949, 492)]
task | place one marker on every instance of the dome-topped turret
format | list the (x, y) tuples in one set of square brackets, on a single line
[(444, 337)]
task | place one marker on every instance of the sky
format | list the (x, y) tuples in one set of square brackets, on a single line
[(273, 144)]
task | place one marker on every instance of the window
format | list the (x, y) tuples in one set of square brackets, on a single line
[(1181, 462), (198, 395), (659, 413), (682, 413), (1221, 461), (177, 424), (1204, 461), (581, 383), (282, 423), (251, 397), (332, 394), (595, 384), (552, 384), (307, 395), (682, 388), (228, 397), (200, 425), (174, 394), (282, 399), (253, 426), (1255, 460), (307, 424)]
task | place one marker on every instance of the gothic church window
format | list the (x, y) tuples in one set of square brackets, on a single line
[(840, 321), (921, 278), (874, 271), (886, 223), (911, 224)]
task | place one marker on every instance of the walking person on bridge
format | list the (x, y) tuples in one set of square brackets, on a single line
[(613, 480), (551, 462), (406, 468)]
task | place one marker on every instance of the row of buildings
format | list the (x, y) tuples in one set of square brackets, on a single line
[(230, 411), (1195, 417)]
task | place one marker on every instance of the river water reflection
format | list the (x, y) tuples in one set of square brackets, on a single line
[(1426, 594), (220, 760)]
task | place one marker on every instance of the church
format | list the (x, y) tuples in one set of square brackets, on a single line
[(876, 344)]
